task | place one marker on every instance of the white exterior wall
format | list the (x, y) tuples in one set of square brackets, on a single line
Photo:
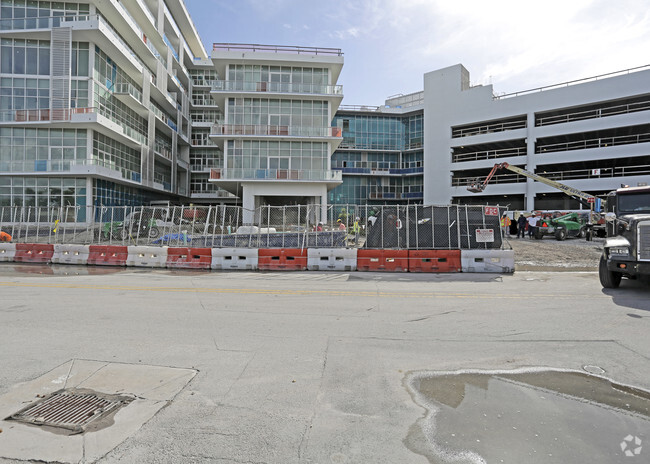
[(449, 102)]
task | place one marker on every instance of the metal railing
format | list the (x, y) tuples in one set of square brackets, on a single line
[(276, 49), (46, 166), (276, 87), (488, 154), (266, 174), (487, 128), (43, 115), (577, 81), (593, 113), (598, 142), (268, 130), (222, 226)]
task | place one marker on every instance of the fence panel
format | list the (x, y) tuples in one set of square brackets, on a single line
[(416, 227)]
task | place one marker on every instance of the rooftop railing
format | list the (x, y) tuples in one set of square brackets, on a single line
[(358, 108), (577, 81), (276, 49)]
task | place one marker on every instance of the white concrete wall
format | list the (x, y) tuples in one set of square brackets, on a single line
[(448, 101), (251, 190)]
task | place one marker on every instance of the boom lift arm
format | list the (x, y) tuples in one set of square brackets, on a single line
[(585, 198)]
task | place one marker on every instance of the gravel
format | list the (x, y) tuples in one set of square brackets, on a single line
[(548, 254)]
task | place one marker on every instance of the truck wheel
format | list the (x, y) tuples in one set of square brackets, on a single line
[(560, 234), (608, 279), (582, 233), (538, 234)]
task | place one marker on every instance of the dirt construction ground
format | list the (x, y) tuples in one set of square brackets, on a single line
[(549, 254)]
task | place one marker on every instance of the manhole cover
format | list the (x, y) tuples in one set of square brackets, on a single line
[(71, 410)]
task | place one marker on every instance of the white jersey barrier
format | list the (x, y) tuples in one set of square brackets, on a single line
[(240, 259), (70, 254), (499, 261), (7, 252), (332, 259), (146, 256)]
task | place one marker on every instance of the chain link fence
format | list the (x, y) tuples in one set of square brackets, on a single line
[(222, 226)]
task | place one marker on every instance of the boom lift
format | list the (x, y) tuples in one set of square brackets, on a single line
[(476, 186)]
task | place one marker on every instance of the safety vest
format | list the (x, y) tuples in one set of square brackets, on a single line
[(505, 221), (355, 227)]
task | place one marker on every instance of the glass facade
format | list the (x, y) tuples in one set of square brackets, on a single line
[(262, 154), (31, 149), (42, 191), (381, 157)]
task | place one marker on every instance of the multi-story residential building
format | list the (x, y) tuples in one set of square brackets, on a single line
[(94, 101), (381, 156), (592, 134), (276, 136)]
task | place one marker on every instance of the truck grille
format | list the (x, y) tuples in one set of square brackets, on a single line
[(643, 247)]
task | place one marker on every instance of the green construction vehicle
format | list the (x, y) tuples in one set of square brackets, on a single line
[(561, 227)]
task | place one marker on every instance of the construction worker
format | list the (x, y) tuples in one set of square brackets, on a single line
[(505, 225), (356, 229), (340, 224)]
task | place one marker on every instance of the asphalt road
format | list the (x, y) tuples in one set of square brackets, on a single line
[(310, 367)]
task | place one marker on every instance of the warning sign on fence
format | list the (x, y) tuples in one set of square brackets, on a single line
[(491, 210), (485, 235)]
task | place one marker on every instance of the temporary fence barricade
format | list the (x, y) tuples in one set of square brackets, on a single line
[(33, 253), (108, 255), (282, 259), (434, 261), (7, 252), (189, 258), (382, 260), (146, 256), (70, 254), (502, 261), (240, 259), (332, 259)]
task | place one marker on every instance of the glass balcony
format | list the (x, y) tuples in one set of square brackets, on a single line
[(276, 87), (64, 114), (275, 174), (260, 130), (46, 166)]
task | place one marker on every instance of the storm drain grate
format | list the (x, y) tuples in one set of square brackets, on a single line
[(71, 409)]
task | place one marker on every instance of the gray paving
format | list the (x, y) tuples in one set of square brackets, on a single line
[(309, 367)]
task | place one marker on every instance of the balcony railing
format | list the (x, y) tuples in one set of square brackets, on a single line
[(276, 49), (64, 114), (65, 166), (260, 130), (276, 87), (124, 88), (274, 174)]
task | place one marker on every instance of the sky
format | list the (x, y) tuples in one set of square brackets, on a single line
[(388, 45)]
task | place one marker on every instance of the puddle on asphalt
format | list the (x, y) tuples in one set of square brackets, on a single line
[(531, 416)]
